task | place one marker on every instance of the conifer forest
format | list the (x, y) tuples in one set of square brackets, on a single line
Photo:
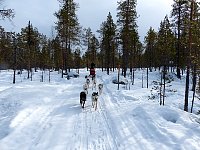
[(175, 47), (123, 85)]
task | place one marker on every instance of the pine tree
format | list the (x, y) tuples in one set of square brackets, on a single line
[(127, 26), (190, 42), (68, 29), (57, 53), (77, 59), (178, 14), (166, 50), (150, 42), (194, 41), (165, 44), (108, 42), (20, 52), (4, 44), (93, 48), (30, 37), (86, 42), (44, 53)]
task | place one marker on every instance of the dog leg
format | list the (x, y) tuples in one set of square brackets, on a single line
[(92, 104), (95, 105), (83, 104), (88, 86)]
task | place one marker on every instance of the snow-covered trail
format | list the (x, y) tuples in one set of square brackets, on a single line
[(124, 126), (60, 122), (42, 125), (135, 127), (51, 118)]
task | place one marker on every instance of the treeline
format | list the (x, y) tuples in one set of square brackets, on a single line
[(175, 46)]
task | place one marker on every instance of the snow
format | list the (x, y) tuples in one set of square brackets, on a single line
[(47, 115)]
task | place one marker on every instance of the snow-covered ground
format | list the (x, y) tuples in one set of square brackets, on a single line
[(38, 115)]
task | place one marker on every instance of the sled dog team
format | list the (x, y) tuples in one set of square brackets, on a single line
[(95, 95)]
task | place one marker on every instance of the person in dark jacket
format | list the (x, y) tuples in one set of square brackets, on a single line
[(92, 72)]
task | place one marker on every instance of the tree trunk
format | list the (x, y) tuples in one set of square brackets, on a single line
[(147, 77), (194, 87), (161, 89), (188, 60), (133, 76), (178, 46), (49, 75), (164, 73), (199, 83), (187, 89)]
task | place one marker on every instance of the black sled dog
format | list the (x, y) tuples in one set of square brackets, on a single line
[(82, 98)]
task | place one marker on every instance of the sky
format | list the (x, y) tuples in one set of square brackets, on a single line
[(91, 13)]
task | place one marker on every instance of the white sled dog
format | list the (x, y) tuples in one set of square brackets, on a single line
[(88, 82), (100, 87), (85, 88), (94, 83), (94, 99)]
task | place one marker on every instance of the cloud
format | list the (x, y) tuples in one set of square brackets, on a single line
[(151, 14), (93, 12), (39, 12), (90, 14)]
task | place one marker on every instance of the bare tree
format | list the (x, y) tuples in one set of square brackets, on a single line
[(6, 13)]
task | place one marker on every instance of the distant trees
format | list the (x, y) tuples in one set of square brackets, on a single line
[(5, 38), (37, 51), (91, 53), (28, 50), (160, 46), (175, 44), (91, 44)]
